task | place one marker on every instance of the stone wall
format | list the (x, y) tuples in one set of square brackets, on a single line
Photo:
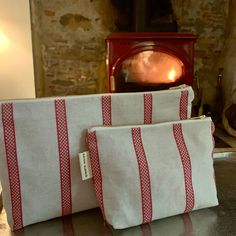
[(69, 45), (227, 58), (228, 62), (208, 20)]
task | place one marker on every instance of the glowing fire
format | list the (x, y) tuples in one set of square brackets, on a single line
[(172, 75), (152, 67)]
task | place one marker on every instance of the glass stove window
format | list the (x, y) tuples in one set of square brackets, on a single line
[(151, 67)]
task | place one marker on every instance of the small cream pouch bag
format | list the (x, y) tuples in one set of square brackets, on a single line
[(144, 173)]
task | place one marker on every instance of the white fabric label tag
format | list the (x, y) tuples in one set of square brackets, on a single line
[(85, 166)]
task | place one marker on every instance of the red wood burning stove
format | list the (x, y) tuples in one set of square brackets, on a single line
[(149, 61)]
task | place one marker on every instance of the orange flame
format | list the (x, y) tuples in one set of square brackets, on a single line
[(172, 74)]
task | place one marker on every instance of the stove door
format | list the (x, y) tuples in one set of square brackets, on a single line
[(148, 70)]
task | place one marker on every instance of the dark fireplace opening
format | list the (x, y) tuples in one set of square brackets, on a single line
[(145, 16)]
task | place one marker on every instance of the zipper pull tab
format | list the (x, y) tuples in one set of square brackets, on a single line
[(182, 86), (198, 117)]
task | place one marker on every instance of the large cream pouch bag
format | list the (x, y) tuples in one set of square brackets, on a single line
[(40, 140), (144, 173)]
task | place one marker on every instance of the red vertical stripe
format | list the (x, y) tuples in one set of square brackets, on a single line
[(188, 225), (96, 169), (144, 175), (106, 110), (12, 164), (183, 105), (64, 156), (68, 228), (186, 162), (147, 108), (146, 230)]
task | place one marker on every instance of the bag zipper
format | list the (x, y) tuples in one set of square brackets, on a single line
[(202, 117), (193, 119), (182, 86)]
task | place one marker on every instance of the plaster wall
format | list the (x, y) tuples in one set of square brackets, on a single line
[(16, 59)]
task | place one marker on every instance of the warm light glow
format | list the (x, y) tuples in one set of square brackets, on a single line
[(152, 67), (4, 42), (172, 75)]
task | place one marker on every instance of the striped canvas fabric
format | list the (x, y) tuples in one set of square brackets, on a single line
[(143, 173), (40, 140)]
